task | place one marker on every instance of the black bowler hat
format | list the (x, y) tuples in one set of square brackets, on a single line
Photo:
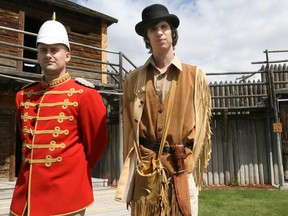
[(154, 13)]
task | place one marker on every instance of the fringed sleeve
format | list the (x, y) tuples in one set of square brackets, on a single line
[(202, 141)]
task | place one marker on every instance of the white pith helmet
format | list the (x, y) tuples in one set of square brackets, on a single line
[(53, 32)]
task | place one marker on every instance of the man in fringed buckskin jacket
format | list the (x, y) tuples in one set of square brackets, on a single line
[(145, 103)]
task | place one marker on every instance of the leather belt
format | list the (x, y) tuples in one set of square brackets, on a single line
[(153, 146)]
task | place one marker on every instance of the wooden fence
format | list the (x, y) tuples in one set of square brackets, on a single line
[(243, 152)]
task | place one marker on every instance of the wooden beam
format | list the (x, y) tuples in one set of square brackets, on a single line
[(12, 153), (104, 46), (20, 39)]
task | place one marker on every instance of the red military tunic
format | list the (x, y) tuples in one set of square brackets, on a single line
[(64, 133)]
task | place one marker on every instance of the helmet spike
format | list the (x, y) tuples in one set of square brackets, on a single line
[(54, 16)]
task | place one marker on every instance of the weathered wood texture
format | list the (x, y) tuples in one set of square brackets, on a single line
[(92, 33), (89, 56), (109, 165), (237, 96), (245, 158), (11, 19), (7, 137)]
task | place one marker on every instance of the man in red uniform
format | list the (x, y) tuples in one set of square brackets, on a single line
[(63, 129)]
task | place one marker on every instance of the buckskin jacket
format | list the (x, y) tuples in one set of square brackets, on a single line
[(63, 129), (192, 86)]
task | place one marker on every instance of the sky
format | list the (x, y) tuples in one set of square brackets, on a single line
[(217, 35)]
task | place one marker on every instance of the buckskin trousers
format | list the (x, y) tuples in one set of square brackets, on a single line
[(193, 195)]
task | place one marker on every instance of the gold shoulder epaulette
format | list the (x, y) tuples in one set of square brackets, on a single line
[(84, 82), (29, 84)]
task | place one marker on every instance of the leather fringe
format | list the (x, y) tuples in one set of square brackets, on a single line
[(145, 207)]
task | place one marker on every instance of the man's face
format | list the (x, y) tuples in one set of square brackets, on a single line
[(160, 36), (53, 58)]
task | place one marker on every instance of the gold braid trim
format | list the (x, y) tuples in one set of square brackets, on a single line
[(52, 146), (59, 118), (56, 82), (47, 161), (65, 104), (55, 133), (31, 92), (69, 92)]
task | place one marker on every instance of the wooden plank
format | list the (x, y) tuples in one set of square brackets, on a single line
[(255, 156), (210, 166), (104, 46), (232, 92), (6, 124), (225, 154), (285, 76), (233, 154), (268, 137), (245, 92), (88, 75), (84, 63), (212, 91), (275, 158), (8, 63), (240, 141), (12, 149), (255, 92), (8, 18), (261, 150), (250, 92), (249, 175), (20, 52), (215, 154), (249, 150), (228, 93)]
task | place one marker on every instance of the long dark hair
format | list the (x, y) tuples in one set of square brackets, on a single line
[(174, 36)]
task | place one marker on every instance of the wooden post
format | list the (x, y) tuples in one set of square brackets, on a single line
[(226, 161), (20, 40), (103, 53), (12, 150), (276, 120)]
